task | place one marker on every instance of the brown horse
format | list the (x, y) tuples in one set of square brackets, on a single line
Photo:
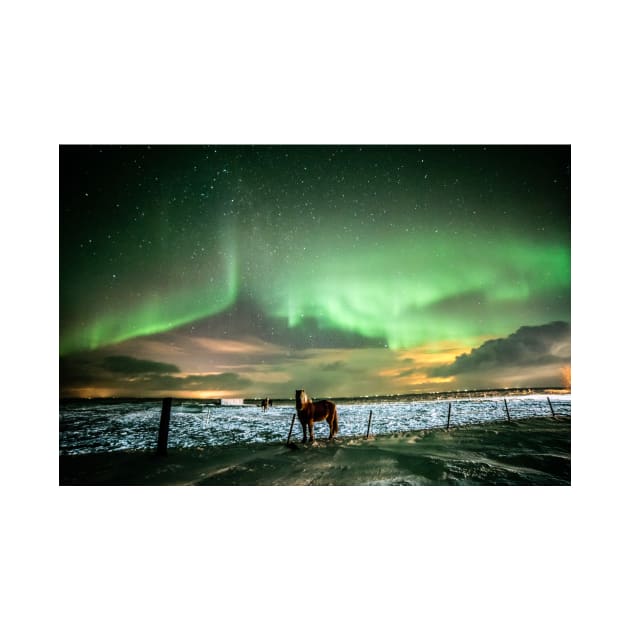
[(309, 412)]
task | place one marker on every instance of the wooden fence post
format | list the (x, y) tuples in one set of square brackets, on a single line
[(367, 435), (507, 411), (165, 419), (448, 420), (291, 430), (551, 407)]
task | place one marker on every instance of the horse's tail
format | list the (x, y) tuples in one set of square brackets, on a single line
[(335, 421)]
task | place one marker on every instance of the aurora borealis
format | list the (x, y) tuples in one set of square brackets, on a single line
[(251, 271)]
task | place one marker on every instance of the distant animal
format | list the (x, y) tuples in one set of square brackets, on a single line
[(309, 412), (265, 404)]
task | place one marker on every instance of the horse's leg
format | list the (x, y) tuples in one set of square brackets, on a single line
[(311, 424), (303, 432)]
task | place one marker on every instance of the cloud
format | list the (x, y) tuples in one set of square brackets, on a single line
[(124, 375), (78, 372), (246, 319), (119, 364), (202, 382), (408, 372), (335, 365), (529, 346), (171, 364)]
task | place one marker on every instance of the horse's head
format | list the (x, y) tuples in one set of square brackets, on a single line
[(300, 399)]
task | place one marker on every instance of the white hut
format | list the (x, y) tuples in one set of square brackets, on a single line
[(231, 402)]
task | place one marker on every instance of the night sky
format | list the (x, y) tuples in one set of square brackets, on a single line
[(251, 271)]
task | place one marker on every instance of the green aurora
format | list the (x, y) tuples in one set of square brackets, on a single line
[(398, 247)]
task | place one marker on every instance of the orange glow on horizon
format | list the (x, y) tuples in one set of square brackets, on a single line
[(212, 393), (442, 352), (91, 392), (566, 376), (419, 360)]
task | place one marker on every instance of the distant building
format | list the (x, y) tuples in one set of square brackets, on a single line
[(231, 402)]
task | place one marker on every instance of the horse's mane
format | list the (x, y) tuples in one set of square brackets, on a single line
[(304, 398)]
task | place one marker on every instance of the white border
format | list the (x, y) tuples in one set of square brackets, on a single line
[(343, 72)]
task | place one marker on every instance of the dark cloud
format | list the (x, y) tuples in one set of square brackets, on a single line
[(335, 365), (409, 372), (528, 346), (137, 377), (78, 372), (246, 319), (131, 366), (224, 381)]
